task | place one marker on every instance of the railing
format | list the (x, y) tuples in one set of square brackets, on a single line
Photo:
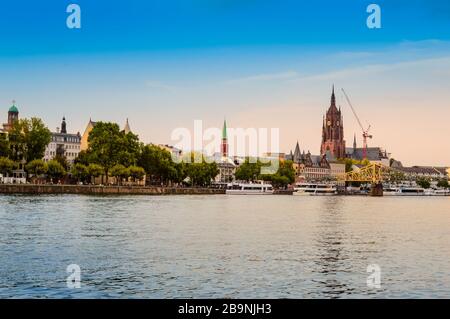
[(372, 173)]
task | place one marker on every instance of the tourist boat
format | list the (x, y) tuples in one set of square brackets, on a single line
[(390, 191), (249, 189), (441, 192), (405, 191), (315, 189)]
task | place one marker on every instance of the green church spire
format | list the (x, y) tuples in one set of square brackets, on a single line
[(224, 130)]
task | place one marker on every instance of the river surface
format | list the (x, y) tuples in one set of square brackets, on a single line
[(224, 246)]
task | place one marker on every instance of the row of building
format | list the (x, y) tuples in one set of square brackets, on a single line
[(308, 167), (62, 143), (328, 164)]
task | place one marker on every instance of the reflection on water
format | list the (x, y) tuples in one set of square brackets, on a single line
[(331, 257), (224, 246)]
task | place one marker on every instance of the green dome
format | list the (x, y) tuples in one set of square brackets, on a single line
[(13, 109)]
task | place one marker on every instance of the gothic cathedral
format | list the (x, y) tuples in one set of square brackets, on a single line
[(333, 143)]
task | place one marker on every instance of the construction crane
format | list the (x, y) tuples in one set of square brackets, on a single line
[(365, 132)]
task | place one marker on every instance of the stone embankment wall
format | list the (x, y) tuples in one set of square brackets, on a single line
[(103, 190)]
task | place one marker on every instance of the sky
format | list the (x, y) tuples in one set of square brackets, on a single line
[(265, 63)]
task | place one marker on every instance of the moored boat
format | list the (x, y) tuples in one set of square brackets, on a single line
[(314, 189), (249, 189)]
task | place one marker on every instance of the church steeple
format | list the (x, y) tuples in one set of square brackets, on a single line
[(354, 142), (13, 116), (63, 125), (224, 130), (127, 128), (224, 145)]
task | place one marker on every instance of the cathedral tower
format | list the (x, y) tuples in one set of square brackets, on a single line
[(333, 131)]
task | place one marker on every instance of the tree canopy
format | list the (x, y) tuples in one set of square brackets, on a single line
[(157, 163), (109, 146), (4, 146), (443, 183), (249, 171), (55, 170), (6, 165), (36, 167), (28, 139)]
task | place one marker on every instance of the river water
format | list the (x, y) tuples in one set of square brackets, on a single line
[(224, 246)]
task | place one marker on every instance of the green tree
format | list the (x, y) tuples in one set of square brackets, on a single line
[(249, 171), (94, 170), (158, 164), (4, 145), (423, 182), (55, 170), (108, 146), (284, 176), (119, 172), (200, 173), (179, 174), (136, 172), (61, 159), (443, 183), (6, 166), (130, 149), (79, 171), (84, 158), (36, 167), (28, 139)]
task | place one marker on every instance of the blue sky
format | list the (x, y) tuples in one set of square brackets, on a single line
[(38, 27), (165, 63)]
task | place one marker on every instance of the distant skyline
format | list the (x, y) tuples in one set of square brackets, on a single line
[(164, 64)]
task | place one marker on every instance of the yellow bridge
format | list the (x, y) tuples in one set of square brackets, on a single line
[(373, 173)]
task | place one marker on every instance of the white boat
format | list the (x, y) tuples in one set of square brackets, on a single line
[(405, 191), (440, 192), (249, 189), (391, 191), (315, 189)]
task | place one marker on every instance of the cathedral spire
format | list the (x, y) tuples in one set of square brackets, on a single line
[(354, 142), (333, 98), (297, 153)]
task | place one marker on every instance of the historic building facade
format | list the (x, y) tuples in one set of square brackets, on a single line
[(309, 167), (373, 154), (63, 144), (333, 143)]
